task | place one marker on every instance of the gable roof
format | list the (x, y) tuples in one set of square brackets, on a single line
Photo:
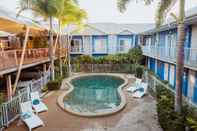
[(113, 28)]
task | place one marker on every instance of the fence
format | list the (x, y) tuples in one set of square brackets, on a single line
[(108, 68), (10, 110)]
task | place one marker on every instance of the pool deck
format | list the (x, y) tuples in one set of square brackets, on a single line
[(138, 115)]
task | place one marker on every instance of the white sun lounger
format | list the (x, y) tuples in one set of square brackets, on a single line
[(138, 93), (28, 116), (136, 86), (40, 106)]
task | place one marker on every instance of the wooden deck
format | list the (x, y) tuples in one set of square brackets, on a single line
[(9, 60)]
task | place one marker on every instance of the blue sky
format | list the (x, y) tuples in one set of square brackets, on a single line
[(106, 10)]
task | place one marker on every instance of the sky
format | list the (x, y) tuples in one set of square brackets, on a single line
[(106, 10)]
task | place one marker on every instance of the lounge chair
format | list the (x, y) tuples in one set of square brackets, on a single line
[(141, 91), (136, 86), (28, 116), (37, 103)]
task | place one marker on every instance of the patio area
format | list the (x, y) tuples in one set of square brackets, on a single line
[(138, 115)]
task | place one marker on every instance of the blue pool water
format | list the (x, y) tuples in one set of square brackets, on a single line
[(94, 93)]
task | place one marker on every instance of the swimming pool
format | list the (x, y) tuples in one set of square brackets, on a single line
[(94, 94)]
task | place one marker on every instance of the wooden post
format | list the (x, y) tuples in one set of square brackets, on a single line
[(9, 87), (44, 68), (21, 60)]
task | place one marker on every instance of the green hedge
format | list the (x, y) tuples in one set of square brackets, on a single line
[(54, 84), (168, 118)]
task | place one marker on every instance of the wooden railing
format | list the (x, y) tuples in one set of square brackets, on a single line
[(10, 59)]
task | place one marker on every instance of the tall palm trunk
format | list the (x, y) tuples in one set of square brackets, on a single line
[(51, 55), (60, 45), (180, 56), (69, 44)]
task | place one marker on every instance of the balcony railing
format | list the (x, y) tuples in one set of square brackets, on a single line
[(169, 54), (76, 49), (11, 58)]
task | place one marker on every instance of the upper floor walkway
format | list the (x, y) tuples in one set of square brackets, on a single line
[(169, 55)]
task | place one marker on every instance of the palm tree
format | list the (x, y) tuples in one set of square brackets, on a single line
[(46, 9), (71, 14), (163, 9)]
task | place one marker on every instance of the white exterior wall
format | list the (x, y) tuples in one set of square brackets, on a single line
[(194, 36), (166, 71), (172, 75), (112, 44), (191, 84), (87, 45)]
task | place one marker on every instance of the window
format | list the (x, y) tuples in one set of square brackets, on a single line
[(76, 45), (121, 46), (124, 44), (100, 45)]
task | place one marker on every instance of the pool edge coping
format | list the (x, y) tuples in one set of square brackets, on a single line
[(67, 85)]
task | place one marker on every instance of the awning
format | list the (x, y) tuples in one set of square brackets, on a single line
[(9, 22)]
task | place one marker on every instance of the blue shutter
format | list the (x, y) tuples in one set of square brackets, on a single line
[(195, 91), (185, 83), (174, 77), (152, 64)]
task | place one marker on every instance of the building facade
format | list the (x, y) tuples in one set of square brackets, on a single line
[(159, 47), (98, 39)]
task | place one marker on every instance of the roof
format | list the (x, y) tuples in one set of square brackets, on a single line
[(113, 28), (190, 18), (9, 22)]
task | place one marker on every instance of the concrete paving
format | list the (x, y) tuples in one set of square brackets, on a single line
[(138, 115)]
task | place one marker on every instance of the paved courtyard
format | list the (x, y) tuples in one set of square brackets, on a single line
[(138, 115)]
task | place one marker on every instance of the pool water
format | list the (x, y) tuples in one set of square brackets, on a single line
[(94, 93)]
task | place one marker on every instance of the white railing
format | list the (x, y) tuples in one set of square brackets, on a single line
[(154, 83), (76, 49), (10, 110), (169, 54)]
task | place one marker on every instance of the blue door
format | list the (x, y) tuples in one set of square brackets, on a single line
[(160, 70), (195, 91), (152, 64), (185, 83)]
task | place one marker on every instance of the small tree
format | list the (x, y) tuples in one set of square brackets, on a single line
[(135, 55)]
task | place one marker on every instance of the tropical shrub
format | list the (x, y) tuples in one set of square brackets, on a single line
[(135, 54), (139, 70), (45, 89), (53, 85), (168, 118)]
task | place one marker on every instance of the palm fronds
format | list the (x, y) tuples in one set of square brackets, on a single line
[(43, 8), (122, 4), (163, 9)]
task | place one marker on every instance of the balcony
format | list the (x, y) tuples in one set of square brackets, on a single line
[(169, 54), (76, 50), (10, 59)]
